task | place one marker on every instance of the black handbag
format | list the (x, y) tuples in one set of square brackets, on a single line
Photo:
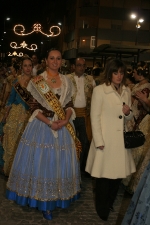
[(133, 139)]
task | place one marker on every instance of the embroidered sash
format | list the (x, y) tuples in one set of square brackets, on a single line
[(24, 94), (54, 103)]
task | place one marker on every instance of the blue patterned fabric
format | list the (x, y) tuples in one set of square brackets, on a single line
[(15, 98), (45, 172), (138, 212)]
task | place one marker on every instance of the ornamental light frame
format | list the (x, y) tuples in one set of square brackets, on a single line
[(15, 54), (36, 28), (23, 45)]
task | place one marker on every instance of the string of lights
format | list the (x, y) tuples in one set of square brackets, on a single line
[(15, 54), (23, 45), (54, 30)]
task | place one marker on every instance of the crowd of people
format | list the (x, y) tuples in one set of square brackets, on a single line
[(55, 127)]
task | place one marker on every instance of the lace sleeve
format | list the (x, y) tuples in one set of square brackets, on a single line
[(70, 106), (73, 116), (34, 114), (69, 93)]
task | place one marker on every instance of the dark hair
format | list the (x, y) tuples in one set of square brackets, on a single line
[(113, 65), (51, 49), (96, 71), (142, 69), (130, 75), (16, 66)]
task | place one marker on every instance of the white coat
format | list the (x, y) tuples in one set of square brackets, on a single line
[(107, 120)]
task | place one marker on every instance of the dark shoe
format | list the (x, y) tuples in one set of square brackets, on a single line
[(85, 174), (111, 208), (104, 218), (47, 215)]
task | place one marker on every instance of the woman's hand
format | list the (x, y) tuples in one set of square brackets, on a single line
[(126, 109), (55, 125), (142, 96), (62, 123)]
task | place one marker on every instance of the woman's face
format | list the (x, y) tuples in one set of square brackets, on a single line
[(54, 60), (12, 70), (117, 77), (27, 67)]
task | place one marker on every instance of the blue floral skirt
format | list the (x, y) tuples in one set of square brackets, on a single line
[(45, 172), (138, 212)]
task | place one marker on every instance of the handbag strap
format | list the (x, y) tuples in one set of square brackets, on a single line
[(124, 130)]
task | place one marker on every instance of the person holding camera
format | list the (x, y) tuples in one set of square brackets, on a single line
[(141, 108)]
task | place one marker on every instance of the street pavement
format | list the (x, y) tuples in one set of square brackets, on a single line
[(81, 212)]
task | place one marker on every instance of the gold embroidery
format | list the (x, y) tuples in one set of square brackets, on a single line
[(43, 145), (68, 188), (52, 100), (13, 129)]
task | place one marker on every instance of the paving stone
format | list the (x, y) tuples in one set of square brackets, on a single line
[(82, 212)]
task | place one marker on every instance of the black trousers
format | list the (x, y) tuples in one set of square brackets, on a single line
[(106, 192), (80, 128)]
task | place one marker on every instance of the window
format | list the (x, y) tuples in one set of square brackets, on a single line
[(85, 24), (92, 42)]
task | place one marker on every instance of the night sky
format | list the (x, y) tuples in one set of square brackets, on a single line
[(25, 12)]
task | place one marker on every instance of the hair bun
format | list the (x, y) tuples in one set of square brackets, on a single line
[(143, 71)]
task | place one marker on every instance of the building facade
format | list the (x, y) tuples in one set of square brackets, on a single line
[(92, 23)]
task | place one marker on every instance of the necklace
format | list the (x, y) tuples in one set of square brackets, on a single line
[(25, 80), (53, 79)]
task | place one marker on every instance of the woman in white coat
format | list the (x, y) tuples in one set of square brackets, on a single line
[(108, 160)]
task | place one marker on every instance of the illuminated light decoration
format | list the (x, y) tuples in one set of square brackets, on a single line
[(138, 25), (23, 45), (37, 28), (15, 54)]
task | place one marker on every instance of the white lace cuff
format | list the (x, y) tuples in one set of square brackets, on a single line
[(129, 117), (34, 114), (73, 116)]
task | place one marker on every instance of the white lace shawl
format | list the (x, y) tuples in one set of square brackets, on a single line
[(66, 90)]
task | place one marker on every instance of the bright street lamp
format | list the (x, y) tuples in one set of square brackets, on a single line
[(7, 18), (138, 24)]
